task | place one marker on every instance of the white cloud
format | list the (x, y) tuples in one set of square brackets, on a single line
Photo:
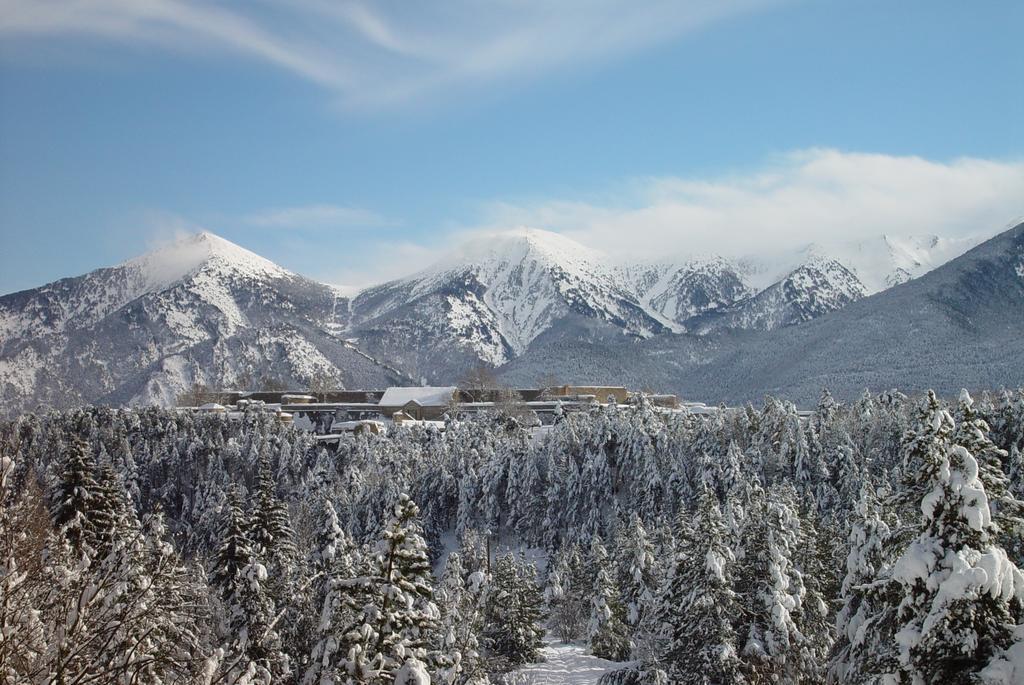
[(381, 262), (818, 195), (318, 216), (384, 53), (799, 198)]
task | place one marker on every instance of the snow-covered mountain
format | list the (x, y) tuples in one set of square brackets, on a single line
[(817, 286), (680, 291), (489, 300), (202, 310), (958, 325)]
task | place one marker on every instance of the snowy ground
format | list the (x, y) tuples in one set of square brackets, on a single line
[(565, 665)]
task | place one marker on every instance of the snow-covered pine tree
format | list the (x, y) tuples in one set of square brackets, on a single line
[(635, 563), (112, 515), (332, 566), (73, 497), (460, 597), (771, 590), (234, 551), (814, 558), (700, 605), (177, 618), (568, 594), (607, 631), (513, 613), (269, 527), (256, 651), (865, 561), (399, 621), (972, 432), (24, 526), (952, 595)]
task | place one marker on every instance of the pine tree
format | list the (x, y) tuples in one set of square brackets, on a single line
[(73, 500), (568, 594), (635, 560), (972, 432), (112, 515), (399, 620), (513, 612), (701, 604), (23, 532), (173, 637), (460, 597), (868, 535), (952, 594), (269, 528), (235, 550), (772, 590), (607, 631), (333, 568), (257, 647)]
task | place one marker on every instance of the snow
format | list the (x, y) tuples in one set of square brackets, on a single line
[(1007, 668), (888, 260), (161, 268), (564, 665), (412, 673), (427, 396)]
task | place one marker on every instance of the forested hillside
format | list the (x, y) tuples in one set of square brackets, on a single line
[(877, 541)]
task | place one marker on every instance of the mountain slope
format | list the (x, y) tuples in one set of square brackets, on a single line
[(534, 303), (959, 325), (489, 301), (816, 287), (200, 311)]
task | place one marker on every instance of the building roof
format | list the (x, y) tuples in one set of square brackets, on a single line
[(427, 396)]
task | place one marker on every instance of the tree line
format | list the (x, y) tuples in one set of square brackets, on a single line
[(874, 541)]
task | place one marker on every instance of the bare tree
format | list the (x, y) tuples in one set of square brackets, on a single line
[(478, 380), (272, 384), (322, 383), (196, 395), (548, 380)]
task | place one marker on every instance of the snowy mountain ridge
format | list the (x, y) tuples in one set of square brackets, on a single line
[(204, 310), (201, 310), (498, 293)]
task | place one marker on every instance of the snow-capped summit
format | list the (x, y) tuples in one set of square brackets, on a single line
[(199, 310), (887, 260), (525, 243), (202, 309), (168, 264), (491, 297)]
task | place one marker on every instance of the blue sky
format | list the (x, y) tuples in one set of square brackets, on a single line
[(353, 141)]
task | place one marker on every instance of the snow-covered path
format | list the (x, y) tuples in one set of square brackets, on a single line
[(565, 665)]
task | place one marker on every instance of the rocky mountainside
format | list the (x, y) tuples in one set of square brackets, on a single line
[(959, 325), (200, 311), (491, 300), (204, 310)]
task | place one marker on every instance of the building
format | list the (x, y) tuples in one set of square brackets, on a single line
[(426, 403), (603, 394), (665, 401)]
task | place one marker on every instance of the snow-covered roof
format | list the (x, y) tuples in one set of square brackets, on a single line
[(427, 396)]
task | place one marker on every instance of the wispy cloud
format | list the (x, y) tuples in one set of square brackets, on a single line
[(788, 202), (796, 199), (383, 53), (317, 217)]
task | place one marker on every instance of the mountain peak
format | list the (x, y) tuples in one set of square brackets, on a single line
[(168, 264), (517, 244)]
